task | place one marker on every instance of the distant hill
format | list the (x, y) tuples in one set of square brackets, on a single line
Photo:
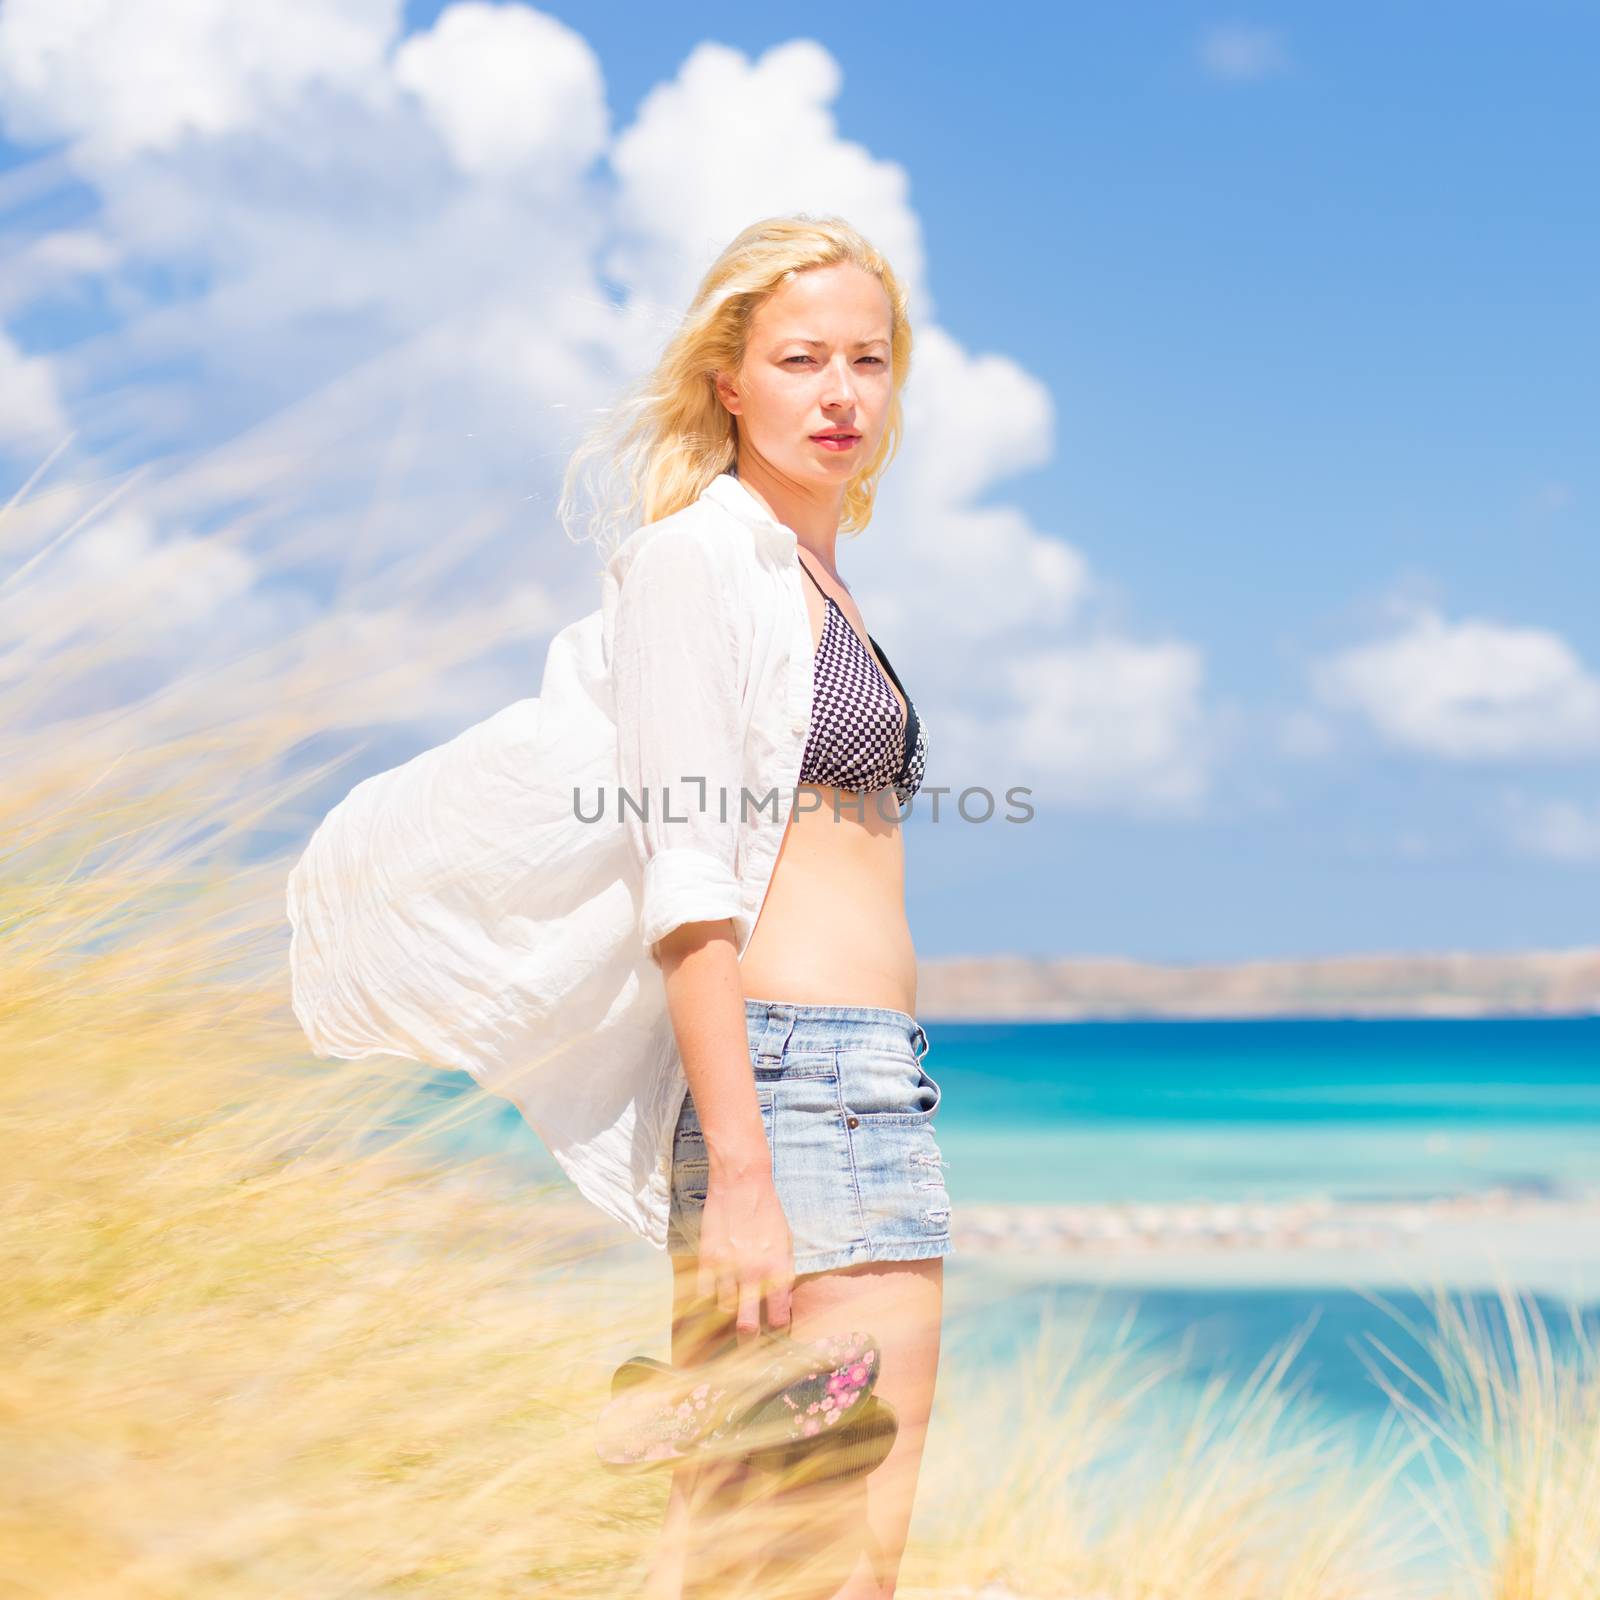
[(1531, 983)]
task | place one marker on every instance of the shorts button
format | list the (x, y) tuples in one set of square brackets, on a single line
[(853, 1122)]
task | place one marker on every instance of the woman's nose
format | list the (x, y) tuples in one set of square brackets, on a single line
[(840, 388)]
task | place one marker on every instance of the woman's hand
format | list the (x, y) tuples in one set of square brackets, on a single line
[(745, 1249)]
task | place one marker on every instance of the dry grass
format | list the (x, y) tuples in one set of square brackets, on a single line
[(253, 1351)]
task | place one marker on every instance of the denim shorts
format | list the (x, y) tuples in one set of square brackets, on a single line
[(847, 1109)]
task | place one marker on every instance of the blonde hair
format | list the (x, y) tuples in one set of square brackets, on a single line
[(670, 435)]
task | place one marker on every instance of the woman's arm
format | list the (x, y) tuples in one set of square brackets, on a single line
[(676, 676), (746, 1250)]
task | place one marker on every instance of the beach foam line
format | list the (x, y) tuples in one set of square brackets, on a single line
[(1315, 1222)]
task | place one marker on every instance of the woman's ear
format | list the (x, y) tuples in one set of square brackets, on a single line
[(726, 392)]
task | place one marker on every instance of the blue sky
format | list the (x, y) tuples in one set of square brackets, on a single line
[(1264, 344)]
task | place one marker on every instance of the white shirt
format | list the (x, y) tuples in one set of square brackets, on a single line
[(460, 910)]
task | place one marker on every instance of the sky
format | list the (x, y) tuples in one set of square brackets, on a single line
[(1247, 513)]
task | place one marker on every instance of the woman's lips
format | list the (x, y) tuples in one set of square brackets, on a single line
[(836, 442)]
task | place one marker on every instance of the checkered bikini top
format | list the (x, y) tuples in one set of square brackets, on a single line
[(859, 741)]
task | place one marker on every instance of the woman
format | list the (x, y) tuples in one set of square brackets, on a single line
[(805, 1181)]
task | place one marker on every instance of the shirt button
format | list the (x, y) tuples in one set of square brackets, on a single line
[(798, 725)]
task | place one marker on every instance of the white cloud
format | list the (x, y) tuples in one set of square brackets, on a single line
[(512, 91), (1238, 53), (1109, 722), (971, 419), (33, 416), (49, 268), (323, 236), (385, 294), (123, 80), (729, 140), (1472, 690)]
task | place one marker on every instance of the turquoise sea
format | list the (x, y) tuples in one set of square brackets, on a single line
[(1045, 1112)]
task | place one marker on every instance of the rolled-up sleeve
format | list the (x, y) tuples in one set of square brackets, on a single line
[(676, 671)]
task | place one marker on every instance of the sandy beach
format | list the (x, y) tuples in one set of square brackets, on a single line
[(1464, 1241)]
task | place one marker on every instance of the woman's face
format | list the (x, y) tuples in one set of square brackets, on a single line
[(817, 362)]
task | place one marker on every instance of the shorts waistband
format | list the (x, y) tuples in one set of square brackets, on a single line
[(774, 1024)]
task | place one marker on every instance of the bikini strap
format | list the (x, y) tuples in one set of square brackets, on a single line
[(808, 572)]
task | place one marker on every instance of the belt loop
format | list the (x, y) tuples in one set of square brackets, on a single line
[(775, 1034), (922, 1034)]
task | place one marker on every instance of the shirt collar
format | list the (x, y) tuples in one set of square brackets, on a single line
[(778, 541)]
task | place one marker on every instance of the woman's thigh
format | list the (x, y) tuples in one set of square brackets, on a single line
[(901, 1304), (845, 1540)]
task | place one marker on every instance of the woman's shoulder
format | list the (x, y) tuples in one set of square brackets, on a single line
[(702, 532)]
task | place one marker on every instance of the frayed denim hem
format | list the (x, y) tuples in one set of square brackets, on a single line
[(853, 1255)]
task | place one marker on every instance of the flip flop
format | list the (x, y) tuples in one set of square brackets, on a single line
[(853, 1448), (763, 1397), (858, 1445)]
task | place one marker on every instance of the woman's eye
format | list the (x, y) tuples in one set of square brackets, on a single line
[(788, 359)]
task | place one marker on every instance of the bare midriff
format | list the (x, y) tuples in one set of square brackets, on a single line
[(833, 928)]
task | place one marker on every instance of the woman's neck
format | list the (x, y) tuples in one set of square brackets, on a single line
[(814, 523)]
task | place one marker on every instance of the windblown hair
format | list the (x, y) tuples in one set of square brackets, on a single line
[(669, 436)]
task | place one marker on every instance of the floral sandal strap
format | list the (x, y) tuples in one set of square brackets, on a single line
[(807, 1388), (798, 1390), (636, 1428)]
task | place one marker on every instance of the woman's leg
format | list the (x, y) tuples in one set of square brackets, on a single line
[(697, 1492), (901, 1303), (734, 1532)]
